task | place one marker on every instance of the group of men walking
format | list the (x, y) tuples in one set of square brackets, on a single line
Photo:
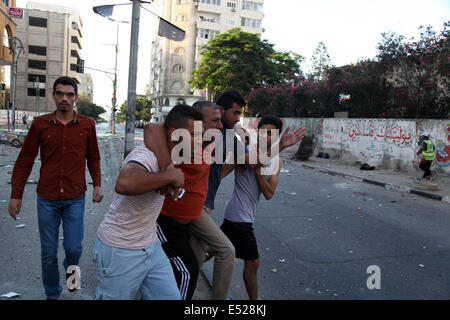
[(158, 230), (153, 238)]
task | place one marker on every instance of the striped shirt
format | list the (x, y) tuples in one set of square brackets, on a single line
[(130, 222)]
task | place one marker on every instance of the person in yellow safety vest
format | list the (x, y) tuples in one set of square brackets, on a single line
[(427, 152)]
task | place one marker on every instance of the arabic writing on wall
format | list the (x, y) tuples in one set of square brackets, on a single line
[(398, 134), (443, 149)]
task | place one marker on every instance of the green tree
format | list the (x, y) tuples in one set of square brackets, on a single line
[(143, 110), (419, 69), (360, 89), (241, 60), (89, 109), (320, 62)]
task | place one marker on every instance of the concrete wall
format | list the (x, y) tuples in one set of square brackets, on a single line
[(386, 143)]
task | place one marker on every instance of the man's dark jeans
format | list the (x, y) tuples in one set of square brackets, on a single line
[(425, 166)]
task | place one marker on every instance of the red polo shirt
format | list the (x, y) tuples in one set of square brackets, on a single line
[(64, 150)]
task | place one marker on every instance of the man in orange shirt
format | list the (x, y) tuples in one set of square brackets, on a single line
[(176, 216)]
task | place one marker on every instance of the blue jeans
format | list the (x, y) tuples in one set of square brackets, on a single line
[(121, 273), (50, 214)]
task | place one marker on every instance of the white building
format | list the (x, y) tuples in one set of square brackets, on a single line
[(51, 36), (172, 62)]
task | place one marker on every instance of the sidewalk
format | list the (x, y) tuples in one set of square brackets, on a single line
[(438, 188)]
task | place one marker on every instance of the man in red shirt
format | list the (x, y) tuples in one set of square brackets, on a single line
[(177, 216), (66, 140)]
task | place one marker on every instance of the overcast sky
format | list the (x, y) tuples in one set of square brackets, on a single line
[(351, 29)]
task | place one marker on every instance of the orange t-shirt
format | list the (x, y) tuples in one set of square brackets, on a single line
[(196, 187)]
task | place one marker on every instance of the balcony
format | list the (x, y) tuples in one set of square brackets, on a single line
[(204, 7), (76, 41)]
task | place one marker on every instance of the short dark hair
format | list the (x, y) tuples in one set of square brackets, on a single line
[(229, 97), (66, 81), (202, 105), (271, 119), (180, 114)]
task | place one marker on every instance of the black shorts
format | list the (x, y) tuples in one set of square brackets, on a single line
[(242, 237)]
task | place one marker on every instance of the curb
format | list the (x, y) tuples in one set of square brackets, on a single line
[(429, 195)]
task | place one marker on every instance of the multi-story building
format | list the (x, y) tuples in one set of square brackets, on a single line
[(86, 87), (7, 30), (172, 62), (51, 36)]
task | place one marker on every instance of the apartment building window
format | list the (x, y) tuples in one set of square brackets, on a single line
[(207, 33), (215, 2), (177, 68), (181, 2), (74, 53), (180, 18), (231, 5), (37, 22), (32, 77), (75, 40), (7, 34), (179, 51), (231, 22), (6, 2), (32, 92), (41, 51), (252, 23), (37, 64), (252, 6), (177, 85)]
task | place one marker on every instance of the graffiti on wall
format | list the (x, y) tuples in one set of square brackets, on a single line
[(376, 141), (443, 149), (396, 134)]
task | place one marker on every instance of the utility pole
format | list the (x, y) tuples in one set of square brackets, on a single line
[(132, 76), (114, 99), (16, 50), (38, 89)]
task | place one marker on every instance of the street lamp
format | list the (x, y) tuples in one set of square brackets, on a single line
[(17, 49)]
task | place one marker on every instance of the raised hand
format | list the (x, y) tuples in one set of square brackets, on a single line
[(289, 139)]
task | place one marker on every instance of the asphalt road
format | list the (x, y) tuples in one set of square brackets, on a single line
[(313, 240), (319, 234)]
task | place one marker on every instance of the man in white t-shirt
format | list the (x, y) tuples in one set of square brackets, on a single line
[(128, 256), (240, 210)]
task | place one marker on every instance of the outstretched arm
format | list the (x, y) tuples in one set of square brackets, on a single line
[(287, 139)]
